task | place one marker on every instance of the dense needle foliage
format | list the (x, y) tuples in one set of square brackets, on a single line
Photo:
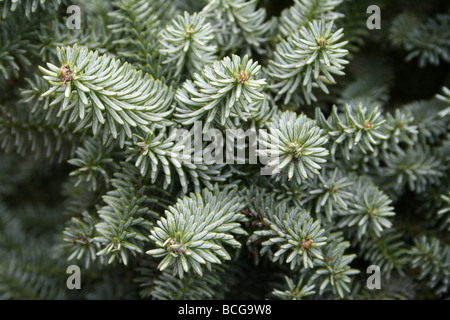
[(224, 149)]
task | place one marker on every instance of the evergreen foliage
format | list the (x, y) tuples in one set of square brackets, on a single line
[(195, 229), (429, 41), (185, 44), (103, 163), (297, 143), (304, 11), (225, 93), (307, 59), (95, 100), (238, 24)]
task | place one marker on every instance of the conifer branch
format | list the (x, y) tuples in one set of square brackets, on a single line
[(295, 235), (194, 231), (294, 146), (226, 92), (238, 24), (186, 44), (432, 259), (369, 210), (100, 92), (304, 11), (295, 291), (334, 267), (307, 59), (362, 128)]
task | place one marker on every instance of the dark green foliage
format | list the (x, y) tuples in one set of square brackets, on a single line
[(296, 291), (428, 41), (136, 26), (432, 259), (27, 6), (115, 153)]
